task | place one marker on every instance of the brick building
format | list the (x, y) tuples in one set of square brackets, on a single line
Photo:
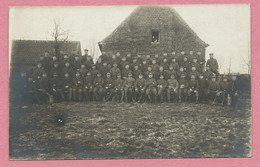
[(153, 30)]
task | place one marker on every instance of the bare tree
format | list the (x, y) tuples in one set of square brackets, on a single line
[(59, 35), (248, 64)]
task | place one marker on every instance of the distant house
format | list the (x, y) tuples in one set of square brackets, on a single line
[(26, 53), (153, 30)]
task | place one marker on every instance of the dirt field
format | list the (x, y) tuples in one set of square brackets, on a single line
[(111, 130)]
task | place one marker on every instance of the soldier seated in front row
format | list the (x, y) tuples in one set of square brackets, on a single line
[(119, 88), (129, 88), (173, 86), (151, 91), (193, 93), (213, 89), (109, 85), (98, 87), (183, 85), (88, 87), (66, 88), (140, 84), (77, 88), (203, 89), (223, 92), (44, 88), (56, 87), (161, 86)]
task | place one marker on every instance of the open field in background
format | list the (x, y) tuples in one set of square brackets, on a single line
[(111, 130)]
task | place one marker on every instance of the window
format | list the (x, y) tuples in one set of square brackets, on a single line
[(155, 36)]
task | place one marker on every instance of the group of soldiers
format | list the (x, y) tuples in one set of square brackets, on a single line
[(126, 78)]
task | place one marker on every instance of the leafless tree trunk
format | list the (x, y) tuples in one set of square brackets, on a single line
[(59, 35)]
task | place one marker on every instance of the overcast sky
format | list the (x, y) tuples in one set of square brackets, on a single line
[(226, 28)]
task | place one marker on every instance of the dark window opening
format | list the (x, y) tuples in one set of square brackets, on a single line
[(155, 36)]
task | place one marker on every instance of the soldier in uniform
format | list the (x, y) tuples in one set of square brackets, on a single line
[(155, 66), (84, 57), (65, 59), (66, 88), (213, 89), (52, 62), (164, 56), (37, 73), (161, 86), (149, 70), (119, 88), (134, 63), (183, 85), (77, 88), (94, 71), (46, 61), (88, 63), (208, 74), (123, 63), (201, 61), (234, 90), (129, 86), (44, 88), (126, 71), (185, 64), (113, 60), (55, 69), (165, 64), (109, 87), (174, 64), (114, 70), (136, 71), (104, 57), (195, 64), (173, 86), (99, 64), (140, 88), (213, 64), (129, 57), (160, 72), (75, 65), (194, 72), (104, 69), (67, 69), (144, 66), (151, 87), (83, 71), (224, 90), (170, 71), (56, 84), (88, 86), (203, 88), (193, 86), (98, 85)]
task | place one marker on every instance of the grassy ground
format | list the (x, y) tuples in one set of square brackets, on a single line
[(111, 130)]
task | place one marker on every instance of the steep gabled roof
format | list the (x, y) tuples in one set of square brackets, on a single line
[(144, 15), (29, 51)]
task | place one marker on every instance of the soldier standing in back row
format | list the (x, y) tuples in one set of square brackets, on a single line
[(213, 64)]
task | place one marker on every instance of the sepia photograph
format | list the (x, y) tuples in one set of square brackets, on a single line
[(130, 82)]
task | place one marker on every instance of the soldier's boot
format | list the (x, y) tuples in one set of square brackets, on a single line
[(180, 99), (161, 97), (169, 98), (197, 99)]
